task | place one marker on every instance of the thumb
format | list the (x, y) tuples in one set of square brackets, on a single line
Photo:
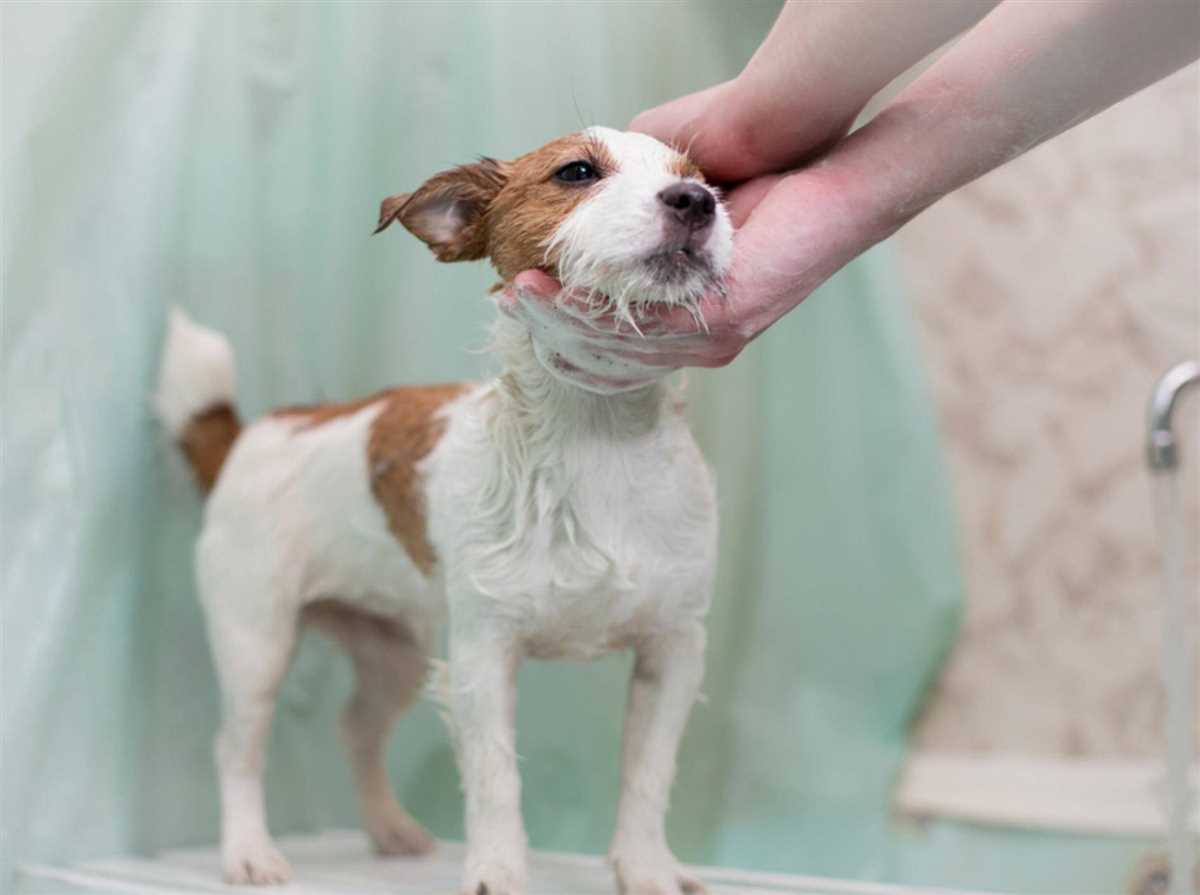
[(537, 283), (685, 123), (675, 121), (536, 287)]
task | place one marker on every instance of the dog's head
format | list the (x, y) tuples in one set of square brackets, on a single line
[(618, 214)]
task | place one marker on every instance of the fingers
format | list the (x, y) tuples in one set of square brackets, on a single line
[(722, 130), (538, 301), (703, 125), (534, 293), (710, 357), (539, 288), (574, 360), (538, 283), (602, 353), (676, 122), (561, 368)]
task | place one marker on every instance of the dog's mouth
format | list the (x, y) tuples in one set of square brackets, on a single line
[(677, 271), (678, 265)]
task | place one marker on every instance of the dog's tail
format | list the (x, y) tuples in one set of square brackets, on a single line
[(195, 396)]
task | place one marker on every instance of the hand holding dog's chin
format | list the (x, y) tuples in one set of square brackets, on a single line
[(608, 354), (794, 232)]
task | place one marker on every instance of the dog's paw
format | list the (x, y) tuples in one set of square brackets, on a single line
[(254, 863), (662, 875), (393, 831), (494, 879)]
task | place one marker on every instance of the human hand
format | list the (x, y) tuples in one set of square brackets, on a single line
[(793, 231), (812, 214), (799, 95), (722, 129), (608, 354), (611, 353), (970, 112)]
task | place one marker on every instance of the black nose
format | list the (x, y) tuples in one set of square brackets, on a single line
[(690, 203)]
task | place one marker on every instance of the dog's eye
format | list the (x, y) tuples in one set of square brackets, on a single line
[(576, 172)]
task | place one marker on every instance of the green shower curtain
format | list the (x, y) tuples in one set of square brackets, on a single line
[(229, 158)]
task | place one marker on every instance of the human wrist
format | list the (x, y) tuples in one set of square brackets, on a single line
[(906, 159), (833, 59), (974, 110)]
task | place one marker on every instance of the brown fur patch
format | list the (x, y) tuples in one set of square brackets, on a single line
[(405, 431), (206, 440), (461, 194), (525, 213), (403, 434)]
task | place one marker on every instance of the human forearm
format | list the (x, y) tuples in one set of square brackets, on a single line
[(1028, 72), (833, 57), (819, 66)]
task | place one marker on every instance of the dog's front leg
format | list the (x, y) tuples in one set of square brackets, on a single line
[(666, 681), (483, 672)]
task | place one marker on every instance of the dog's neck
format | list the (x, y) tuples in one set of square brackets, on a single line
[(544, 406), (552, 440)]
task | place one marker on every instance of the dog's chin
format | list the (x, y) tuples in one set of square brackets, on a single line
[(674, 277), (679, 267), (671, 278), (679, 276), (673, 265)]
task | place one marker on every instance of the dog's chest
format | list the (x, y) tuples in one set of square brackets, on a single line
[(601, 543), (613, 557)]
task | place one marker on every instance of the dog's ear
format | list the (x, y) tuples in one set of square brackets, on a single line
[(447, 212)]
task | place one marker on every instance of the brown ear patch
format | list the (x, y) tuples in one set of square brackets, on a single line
[(389, 208), (447, 211), (405, 431)]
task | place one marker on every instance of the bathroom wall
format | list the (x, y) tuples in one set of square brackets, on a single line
[(1050, 295)]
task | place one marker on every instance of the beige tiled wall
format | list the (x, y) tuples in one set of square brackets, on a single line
[(1050, 295)]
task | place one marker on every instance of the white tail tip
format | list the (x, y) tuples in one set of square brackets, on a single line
[(197, 372)]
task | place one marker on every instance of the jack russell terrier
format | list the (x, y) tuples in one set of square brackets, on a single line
[(534, 517)]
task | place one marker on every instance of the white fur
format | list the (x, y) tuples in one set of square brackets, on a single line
[(292, 521), (571, 525), (196, 372), (566, 524)]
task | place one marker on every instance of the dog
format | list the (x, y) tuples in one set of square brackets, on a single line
[(534, 518)]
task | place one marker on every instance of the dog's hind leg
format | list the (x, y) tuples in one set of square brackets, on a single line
[(389, 665), (251, 650)]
